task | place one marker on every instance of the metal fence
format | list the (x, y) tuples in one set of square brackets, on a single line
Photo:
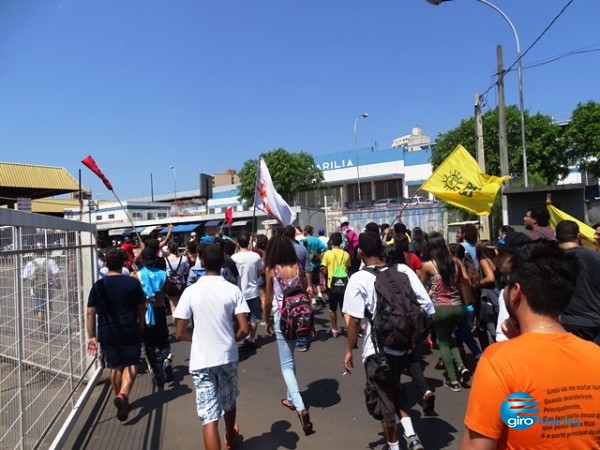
[(43, 364)]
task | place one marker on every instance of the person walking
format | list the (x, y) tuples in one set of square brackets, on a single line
[(440, 276), (280, 256), (117, 305), (335, 263), (211, 303), (386, 397), (249, 266)]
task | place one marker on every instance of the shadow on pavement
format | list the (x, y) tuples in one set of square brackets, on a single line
[(277, 437)]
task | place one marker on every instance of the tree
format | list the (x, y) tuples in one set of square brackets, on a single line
[(547, 161), (291, 173), (583, 137)]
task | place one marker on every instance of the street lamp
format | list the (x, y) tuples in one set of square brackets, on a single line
[(520, 75), (364, 116), (174, 181)]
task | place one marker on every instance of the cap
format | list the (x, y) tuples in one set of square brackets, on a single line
[(193, 234), (511, 241), (344, 219), (321, 231)]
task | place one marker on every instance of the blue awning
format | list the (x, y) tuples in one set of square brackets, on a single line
[(185, 228), (213, 223), (128, 232)]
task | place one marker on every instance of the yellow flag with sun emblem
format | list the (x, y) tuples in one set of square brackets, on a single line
[(459, 182)]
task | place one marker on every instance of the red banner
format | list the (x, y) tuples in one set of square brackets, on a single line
[(91, 164), (229, 216)]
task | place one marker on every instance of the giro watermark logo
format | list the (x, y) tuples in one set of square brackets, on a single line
[(520, 411)]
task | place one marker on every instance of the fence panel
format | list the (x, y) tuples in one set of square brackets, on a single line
[(47, 266)]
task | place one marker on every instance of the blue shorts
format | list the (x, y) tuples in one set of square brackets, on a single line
[(216, 391), (122, 356), (255, 307)]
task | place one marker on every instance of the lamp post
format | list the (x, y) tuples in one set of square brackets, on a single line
[(364, 116), (174, 180), (520, 76)]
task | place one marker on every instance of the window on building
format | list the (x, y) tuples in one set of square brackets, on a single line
[(149, 216), (388, 188), (162, 215), (98, 218), (111, 216), (137, 215)]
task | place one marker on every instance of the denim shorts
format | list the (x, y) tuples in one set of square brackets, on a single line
[(255, 310), (121, 356), (216, 391)]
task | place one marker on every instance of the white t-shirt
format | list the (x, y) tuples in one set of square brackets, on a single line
[(248, 264), (212, 302), (360, 294)]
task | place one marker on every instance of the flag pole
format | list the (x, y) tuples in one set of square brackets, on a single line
[(254, 224), (404, 207)]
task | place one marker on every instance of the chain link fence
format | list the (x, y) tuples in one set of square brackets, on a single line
[(47, 266)]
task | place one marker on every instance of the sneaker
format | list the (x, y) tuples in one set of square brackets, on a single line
[(301, 348), (428, 402), (440, 364), (335, 333), (413, 443), (465, 375), (168, 370), (122, 405), (454, 385)]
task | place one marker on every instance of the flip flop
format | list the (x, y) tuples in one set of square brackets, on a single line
[(285, 402), (231, 445)]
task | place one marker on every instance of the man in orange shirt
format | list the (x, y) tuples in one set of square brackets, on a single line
[(539, 389)]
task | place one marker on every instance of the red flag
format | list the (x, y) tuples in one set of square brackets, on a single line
[(229, 216), (91, 164)]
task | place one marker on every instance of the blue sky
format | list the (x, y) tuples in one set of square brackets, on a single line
[(204, 86)]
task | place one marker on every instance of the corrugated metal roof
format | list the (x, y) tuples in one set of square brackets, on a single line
[(30, 176), (33, 181)]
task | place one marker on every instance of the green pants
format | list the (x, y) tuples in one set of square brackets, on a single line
[(445, 321)]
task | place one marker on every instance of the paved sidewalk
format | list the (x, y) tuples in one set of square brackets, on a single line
[(166, 418)]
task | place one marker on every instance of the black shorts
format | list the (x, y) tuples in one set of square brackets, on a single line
[(384, 393), (122, 356)]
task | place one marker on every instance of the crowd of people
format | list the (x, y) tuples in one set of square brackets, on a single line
[(536, 289)]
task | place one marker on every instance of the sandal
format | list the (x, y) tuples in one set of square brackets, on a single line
[(289, 405), (307, 425), (236, 434)]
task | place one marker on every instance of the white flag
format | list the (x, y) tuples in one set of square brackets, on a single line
[(268, 199)]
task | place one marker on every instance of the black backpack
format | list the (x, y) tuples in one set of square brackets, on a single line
[(398, 322), (297, 315), (174, 284)]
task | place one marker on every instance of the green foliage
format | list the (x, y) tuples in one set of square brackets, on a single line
[(583, 137), (291, 172)]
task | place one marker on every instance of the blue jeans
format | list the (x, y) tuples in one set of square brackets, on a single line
[(285, 349), (303, 342), (463, 333)]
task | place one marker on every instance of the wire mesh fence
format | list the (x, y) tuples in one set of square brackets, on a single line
[(47, 266)]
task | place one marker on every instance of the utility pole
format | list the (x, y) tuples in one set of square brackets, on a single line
[(502, 143), (484, 222)]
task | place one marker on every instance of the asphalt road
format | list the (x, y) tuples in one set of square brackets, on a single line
[(166, 418)]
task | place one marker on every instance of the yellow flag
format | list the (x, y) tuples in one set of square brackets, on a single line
[(459, 182), (586, 232)]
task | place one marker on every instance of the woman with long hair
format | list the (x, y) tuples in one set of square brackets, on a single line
[(440, 275), (281, 263)]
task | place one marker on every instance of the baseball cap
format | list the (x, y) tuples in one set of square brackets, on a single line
[(321, 231), (511, 241), (344, 219), (193, 234)]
